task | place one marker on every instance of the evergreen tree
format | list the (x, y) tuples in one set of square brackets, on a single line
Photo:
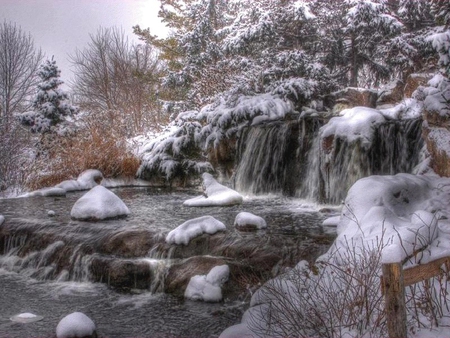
[(50, 105), (369, 27)]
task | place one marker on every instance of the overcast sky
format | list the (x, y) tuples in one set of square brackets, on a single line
[(61, 26)]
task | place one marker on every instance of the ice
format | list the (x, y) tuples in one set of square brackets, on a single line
[(99, 203), (193, 228), (76, 324), (247, 219), (216, 194), (208, 288)]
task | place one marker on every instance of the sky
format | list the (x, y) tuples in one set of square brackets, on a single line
[(59, 27)]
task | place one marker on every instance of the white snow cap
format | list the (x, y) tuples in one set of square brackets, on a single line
[(75, 325), (208, 288), (26, 317), (99, 203), (392, 254), (247, 219), (216, 194), (193, 228)]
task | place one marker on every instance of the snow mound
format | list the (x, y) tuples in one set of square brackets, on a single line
[(76, 324), (247, 220), (193, 228), (99, 203), (208, 288), (404, 210), (86, 180), (216, 194), (46, 192), (354, 124)]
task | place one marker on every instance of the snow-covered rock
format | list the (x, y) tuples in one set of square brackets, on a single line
[(216, 194), (249, 221), (208, 288), (26, 317), (193, 228), (99, 203), (86, 180), (75, 325), (354, 124)]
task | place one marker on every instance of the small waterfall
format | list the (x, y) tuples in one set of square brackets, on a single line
[(334, 168), (291, 158), (272, 157)]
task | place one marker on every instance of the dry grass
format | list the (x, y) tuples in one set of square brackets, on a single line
[(99, 145)]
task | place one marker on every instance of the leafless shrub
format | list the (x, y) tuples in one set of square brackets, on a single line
[(99, 144)]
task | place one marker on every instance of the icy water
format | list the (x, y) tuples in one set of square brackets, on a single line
[(138, 313)]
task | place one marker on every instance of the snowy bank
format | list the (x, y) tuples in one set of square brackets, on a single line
[(99, 203), (76, 324), (193, 228), (216, 194), (406, 210), (384, 219), (85, 181), (208, 288)]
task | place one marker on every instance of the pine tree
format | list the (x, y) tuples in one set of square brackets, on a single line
[(50, 105), (369, 26)]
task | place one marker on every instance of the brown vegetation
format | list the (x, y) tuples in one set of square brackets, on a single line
[(98, 145)]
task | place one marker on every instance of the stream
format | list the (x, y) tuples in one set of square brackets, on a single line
[(45, 261)]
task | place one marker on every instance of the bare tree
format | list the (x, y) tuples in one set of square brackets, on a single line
[(19, 62), (111, 74)]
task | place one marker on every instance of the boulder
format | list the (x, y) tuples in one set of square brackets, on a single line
[(97, 204), (352, 97), (413, 81), (391, 94)]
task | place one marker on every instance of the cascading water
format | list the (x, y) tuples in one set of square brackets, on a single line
[(293, 159), (272, 157)]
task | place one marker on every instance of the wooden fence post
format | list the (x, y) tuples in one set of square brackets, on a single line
[(394, 293)]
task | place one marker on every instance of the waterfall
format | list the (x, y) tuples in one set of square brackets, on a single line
[(291, 158), (272, 157)]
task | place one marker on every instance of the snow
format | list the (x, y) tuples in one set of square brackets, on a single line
[(86, 180), (99, 203), (76, 324), (46, 192), (193, 228), (208, 288), (391, 254), (216, 194), (354, 124), (26, 317), (247, 219), (2, 219), (409, 108), (405, 217)]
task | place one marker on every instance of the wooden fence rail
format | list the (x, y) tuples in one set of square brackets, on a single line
[(393, 283)]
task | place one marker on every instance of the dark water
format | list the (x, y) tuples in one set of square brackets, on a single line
[(140, 314)]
